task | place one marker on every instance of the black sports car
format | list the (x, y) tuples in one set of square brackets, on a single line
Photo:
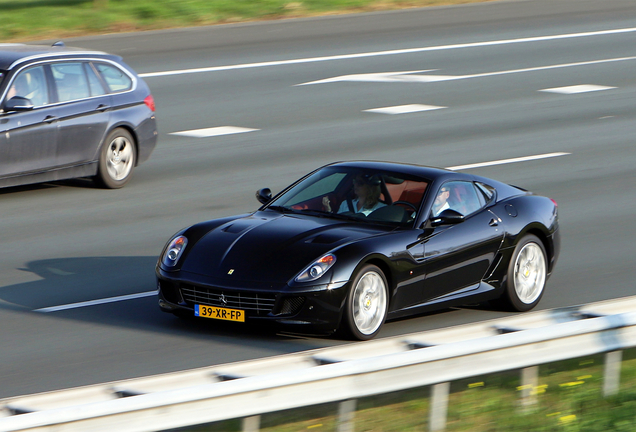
[(355, 243)]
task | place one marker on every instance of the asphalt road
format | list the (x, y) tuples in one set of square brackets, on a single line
[(68, 242)]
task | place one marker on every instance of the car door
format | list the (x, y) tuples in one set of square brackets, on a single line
[(458, 256), (29, 131), (84, 112)]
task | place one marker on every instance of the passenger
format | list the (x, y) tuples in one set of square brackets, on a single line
[(367, 192)]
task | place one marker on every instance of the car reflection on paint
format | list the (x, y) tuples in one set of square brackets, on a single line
[(323, 257)]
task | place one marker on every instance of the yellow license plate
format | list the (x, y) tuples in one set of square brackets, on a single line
[(219, 313)]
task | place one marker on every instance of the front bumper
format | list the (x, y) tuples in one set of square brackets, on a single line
[(311, 309)]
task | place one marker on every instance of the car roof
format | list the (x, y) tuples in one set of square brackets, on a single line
[(10, 54), (434, 175), (426, 172)]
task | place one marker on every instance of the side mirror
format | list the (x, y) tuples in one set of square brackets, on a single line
[(447, 217), (18, 103), (264, 195)]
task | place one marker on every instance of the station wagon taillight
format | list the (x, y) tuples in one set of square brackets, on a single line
[(150, 102)]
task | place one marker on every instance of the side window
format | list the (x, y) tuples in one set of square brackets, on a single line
[(93, 81), (70, 81), (115, 78), (488, 192), (457, 195), (31, 84)]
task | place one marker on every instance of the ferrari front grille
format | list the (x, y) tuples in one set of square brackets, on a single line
[(261, 303)]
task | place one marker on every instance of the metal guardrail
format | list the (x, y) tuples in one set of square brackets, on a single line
[(339, 374)]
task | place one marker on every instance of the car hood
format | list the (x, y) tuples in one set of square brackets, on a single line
[(269, 247)]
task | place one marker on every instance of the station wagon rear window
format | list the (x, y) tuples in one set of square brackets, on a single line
[(115, 78)]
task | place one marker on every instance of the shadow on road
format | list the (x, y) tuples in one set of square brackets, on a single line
[(74, 280)]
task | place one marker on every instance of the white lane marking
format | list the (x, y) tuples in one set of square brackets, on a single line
[(402, 77), (507, 161), (389, 52), (584, 88), (96, 302), (404, 109), (213, 131)]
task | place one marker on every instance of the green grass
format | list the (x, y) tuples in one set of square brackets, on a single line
[(24, 20), (569, 399)]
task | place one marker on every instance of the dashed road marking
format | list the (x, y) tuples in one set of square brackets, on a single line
[(584, 88), (404, 109), (213, 131)]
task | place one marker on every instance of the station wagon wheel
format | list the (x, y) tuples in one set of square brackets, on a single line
[(117, 159), (367, 303), (527, 274)]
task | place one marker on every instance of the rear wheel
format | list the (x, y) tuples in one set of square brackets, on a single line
[(367, 303), (527, 274), (116, 160)]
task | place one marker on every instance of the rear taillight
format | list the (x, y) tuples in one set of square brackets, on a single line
[(150, 102), (554, 202)]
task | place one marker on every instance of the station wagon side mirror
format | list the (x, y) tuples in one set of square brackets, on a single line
[(447, 217), (18, 103), (264, 195)]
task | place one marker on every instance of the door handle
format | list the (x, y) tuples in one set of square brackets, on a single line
[(493, 222), (50, 119), (102, 107)]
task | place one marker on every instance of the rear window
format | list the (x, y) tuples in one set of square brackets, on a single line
[(116, 79)]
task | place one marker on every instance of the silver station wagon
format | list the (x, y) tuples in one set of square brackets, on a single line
[(68, 113)]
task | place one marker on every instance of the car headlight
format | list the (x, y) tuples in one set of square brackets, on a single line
[(174, 250), (316, 269)]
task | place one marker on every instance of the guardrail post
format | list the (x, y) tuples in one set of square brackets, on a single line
[(612, 378), (529, 384), (438, 407), (346, 415), (252, 424)]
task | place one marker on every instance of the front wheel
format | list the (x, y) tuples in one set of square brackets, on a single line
[(367, 303), (116, 160), (527, 274)]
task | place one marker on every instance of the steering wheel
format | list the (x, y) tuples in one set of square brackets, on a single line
[(406, 204)]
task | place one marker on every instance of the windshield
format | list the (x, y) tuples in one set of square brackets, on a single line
[(352, 193)]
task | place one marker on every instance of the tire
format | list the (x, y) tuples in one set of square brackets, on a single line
[(367, 304), (527, 275), (117, 159)]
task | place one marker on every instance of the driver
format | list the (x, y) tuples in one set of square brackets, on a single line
[(20, 87), (367, 192), (441, 201)]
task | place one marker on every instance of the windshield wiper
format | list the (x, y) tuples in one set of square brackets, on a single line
[(318, 213), (349, 217), (281, 209)]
